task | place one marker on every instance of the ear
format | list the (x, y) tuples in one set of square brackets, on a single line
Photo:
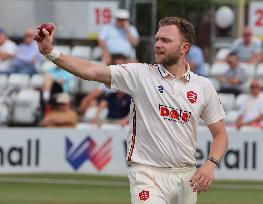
[(185, 47)]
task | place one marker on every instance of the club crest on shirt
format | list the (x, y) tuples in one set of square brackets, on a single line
[(144, 195), (191, 96)]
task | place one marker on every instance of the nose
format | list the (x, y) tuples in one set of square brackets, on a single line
[(157, 44)]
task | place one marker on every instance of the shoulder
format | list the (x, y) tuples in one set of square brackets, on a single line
[(106, 28), (201, 81), (237, 42), (10, 43), (138, 66), (256, 40), (132, 27)]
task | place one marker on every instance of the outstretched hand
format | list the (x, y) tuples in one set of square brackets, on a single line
[(44, 39)]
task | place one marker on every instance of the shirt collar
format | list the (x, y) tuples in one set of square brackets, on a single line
[(164, 72)]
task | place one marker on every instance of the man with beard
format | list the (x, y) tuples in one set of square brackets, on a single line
[(167, 102)]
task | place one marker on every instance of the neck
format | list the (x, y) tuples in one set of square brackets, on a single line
[(177, 69)]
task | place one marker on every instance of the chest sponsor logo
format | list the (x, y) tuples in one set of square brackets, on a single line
[(191, 96), (174, 114)]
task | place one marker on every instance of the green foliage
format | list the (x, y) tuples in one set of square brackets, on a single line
[(182, 8), (192, 10)]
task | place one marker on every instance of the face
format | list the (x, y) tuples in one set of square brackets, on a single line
[(121, 23), (232, 60), (169, 45), (255, 88), (29, 37), (64, 106), (120, 61), (247, 35)]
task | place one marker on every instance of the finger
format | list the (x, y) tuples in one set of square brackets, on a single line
[(53, 29), (207, 185), (45, 32), (198, 185), (203, 185), (37, 38), (193, 177)]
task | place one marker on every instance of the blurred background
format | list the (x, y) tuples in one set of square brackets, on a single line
[(63, 139)]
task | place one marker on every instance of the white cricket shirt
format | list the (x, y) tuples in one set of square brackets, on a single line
[(165, 113)]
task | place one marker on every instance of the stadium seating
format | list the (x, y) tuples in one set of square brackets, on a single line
[(37, 81), (231, 117), (26, 106), (249, 129), (81, 51), (207, 68), (241, 98), (4, 114), (3, 82), (96, 53), (249, 68), (88, 86), (18, 81), (259, 71), (65, 49), (218, 68), (228, 101), (87, 126), (107, 126), (215, 83), (222, 54), (74, 86), (46, 65)]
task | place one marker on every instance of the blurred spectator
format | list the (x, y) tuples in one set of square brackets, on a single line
[(251, 112), (27, 58), (94, 97), (7, 51), (248, 48), (196, 61), (56, 81), (234, 77), (114, 108), (62, 114), (118, 38)]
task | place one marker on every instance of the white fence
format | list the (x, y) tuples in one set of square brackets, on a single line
[(36, 150)]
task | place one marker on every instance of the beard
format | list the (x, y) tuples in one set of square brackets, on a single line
[(170, 59)]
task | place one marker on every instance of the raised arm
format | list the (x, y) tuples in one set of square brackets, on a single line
[(79, 67)]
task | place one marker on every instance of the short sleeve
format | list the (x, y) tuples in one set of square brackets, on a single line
[(103, 33), (195, 56), (125, 77), (213, 110), (11, 48), (258, 46), (235, 45), (134, 31)]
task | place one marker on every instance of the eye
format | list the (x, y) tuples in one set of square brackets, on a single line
[(166, 40)]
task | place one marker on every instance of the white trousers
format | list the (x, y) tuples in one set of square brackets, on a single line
[(154, 185)]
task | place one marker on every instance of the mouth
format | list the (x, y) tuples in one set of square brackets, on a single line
[(159, 53)]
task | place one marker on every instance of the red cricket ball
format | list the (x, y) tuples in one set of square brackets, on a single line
[(48, 26)]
